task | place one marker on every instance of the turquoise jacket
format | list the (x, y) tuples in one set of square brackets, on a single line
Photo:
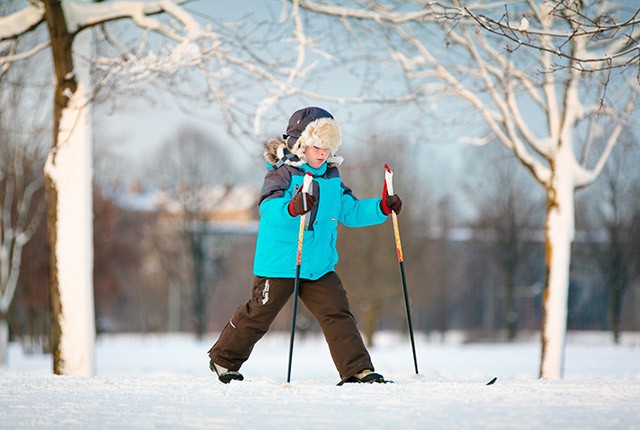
[(277, 243)]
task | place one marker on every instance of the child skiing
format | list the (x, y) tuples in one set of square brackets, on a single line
[(309, 146)]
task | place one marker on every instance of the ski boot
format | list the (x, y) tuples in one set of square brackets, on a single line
[(366, 376), (225, 375)]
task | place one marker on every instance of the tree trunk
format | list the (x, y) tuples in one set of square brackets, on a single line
[(68, 181), (371, 316), (618, 282), (4, 340), (615, 304), (196, 237), (510, 315), (559, 234)]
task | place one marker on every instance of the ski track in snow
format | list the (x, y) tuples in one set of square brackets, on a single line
[(163, 382)]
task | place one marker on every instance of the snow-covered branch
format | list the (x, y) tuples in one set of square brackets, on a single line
[(14, 25), (585, 176), (22, 21), (613, 31), (301, 38), (81, 15), (500, 119)]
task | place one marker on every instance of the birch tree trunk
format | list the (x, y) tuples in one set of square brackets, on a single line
[(559, 235), (68, 179)]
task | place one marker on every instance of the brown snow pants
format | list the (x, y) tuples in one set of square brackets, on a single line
[(325, 298)]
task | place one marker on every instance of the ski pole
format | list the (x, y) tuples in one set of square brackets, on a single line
[(296, 285), (388, 177)]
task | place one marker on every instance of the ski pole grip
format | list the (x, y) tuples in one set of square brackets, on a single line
[(306, 182), (388, 178)]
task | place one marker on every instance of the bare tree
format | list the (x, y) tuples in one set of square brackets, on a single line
[(610, 217), (535, 100), (508, 214), (22, 149), (369, 264), (22, 210), (195, 172)]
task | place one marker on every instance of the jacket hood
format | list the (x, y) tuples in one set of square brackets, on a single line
[(276, 149)]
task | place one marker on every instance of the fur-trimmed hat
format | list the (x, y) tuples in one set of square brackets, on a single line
[(313, 126)]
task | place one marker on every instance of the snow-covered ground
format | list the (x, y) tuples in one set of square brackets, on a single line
[(163, 382)]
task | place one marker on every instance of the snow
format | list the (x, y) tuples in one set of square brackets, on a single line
[(164, 382)]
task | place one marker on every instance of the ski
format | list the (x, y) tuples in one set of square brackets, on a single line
[(384, 381), (388, 381), (344, 381), (371, 378)]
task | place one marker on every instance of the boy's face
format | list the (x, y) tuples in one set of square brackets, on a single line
[(316, 156)]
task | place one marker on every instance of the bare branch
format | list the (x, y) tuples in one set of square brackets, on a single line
[(621, 53), (13, 57)]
